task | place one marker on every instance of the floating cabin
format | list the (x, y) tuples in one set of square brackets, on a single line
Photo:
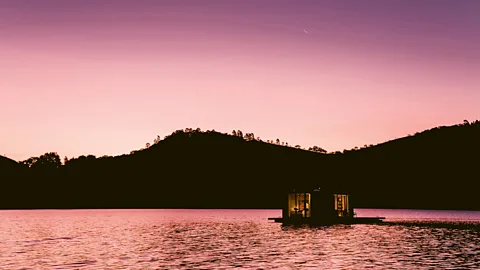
[(321, 207)]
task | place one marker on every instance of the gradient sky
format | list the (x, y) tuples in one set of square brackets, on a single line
[(105, 77)]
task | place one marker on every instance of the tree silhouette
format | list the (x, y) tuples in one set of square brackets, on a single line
[(317, 149), (249, 136), (47, 161)]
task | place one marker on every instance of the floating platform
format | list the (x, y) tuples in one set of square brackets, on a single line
[(354, 220), (321, 206)]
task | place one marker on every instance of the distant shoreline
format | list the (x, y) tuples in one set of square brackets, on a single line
[(239, 209), (193, 169)]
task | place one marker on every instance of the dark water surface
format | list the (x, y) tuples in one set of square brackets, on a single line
[(225, 239)]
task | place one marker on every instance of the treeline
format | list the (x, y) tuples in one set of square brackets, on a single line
[(190, 168), (235, 133)]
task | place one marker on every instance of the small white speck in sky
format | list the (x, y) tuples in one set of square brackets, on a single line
[(304, 30)]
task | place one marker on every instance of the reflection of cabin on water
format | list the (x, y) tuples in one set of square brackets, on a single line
[(321, 206)]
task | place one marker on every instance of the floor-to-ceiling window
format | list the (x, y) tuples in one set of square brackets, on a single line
[(299, 204), (341, 204)]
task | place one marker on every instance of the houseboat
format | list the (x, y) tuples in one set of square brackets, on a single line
[(321, 207)]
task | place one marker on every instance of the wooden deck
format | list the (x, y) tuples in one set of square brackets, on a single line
[(355, 220)]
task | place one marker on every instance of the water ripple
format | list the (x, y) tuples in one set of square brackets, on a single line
[(225, 239)]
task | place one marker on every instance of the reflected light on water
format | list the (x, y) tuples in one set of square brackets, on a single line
[(209, 239)]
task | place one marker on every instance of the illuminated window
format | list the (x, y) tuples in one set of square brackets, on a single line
[(299, 204), (341, 204)]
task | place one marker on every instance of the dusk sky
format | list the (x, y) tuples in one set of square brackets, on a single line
[(106, 77)]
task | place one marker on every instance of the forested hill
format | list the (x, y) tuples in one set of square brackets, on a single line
[(7, 163), (434, 169), (9, 169), (12, 176)]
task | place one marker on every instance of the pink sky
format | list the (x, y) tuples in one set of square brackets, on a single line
[(80, 77)]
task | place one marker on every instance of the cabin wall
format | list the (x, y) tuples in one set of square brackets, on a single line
[(322, 206), (285, 207)]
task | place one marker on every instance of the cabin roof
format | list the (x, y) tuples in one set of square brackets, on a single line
[(332, 190)]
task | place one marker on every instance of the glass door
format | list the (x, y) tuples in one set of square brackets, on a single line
[(299, 204), (341, 204)]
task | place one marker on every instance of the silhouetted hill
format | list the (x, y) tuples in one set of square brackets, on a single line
[(197, 169), (435, 169), (12, 176), (9, 168), (6, 163)]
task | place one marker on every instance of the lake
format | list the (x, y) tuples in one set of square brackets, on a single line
[(224, 239)]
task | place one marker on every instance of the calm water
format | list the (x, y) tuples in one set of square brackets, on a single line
[(224, 239)]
